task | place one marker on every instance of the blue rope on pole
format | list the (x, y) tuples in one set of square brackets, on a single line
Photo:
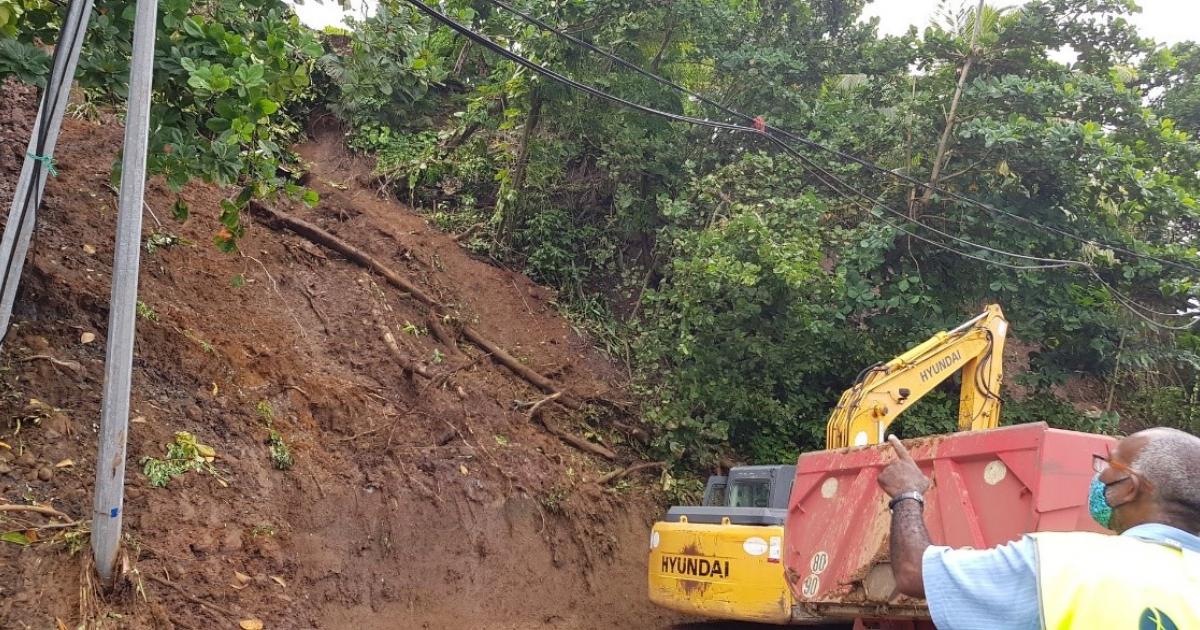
[(46, 160)]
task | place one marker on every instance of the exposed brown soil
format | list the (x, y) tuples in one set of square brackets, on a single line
[(408, 506)]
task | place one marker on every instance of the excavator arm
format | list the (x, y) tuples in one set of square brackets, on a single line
[(885, 390)]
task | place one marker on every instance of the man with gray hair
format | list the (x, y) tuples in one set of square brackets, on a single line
[(1147, 578)]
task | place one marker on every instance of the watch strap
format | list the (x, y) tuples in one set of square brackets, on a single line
[(911, 494)]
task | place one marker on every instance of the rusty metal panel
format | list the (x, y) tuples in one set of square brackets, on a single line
[(989, 488)]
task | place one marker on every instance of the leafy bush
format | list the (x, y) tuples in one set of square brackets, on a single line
[(388, 72), (1164, 406), (740, 332), (184, 454), (281, 453), (25, 62), (1058, 413), (228, 79)]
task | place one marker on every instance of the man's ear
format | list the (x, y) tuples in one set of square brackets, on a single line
[(1128, 492)]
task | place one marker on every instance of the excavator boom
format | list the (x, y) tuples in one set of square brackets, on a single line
[(885, 390)]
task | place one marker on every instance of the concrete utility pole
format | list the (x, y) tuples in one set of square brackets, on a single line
[(114, 419), (39, 157)]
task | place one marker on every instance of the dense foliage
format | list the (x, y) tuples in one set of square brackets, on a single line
[(228, 76), (743, 293)]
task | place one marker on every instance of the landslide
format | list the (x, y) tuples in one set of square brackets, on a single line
[(409, 505)]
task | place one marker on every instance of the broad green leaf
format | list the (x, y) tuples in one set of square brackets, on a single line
[(16, 538)]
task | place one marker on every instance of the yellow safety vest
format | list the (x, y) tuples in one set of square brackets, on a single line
[(1094, 582)]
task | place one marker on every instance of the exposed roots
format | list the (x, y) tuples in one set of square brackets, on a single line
[(623, 472)]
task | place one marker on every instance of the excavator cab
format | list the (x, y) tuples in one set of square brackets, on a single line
[(748, 495)]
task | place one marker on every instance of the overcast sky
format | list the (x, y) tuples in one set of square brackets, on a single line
[(1167, 21)]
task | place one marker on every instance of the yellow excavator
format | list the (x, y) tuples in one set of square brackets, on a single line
[(724, 559)]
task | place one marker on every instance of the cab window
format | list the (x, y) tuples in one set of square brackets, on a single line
[(752, 493)]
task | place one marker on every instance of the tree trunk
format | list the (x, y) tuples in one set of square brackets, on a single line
[(662, 48), (944, 142), (512, 214)]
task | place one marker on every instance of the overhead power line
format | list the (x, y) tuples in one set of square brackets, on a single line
[(757, 131), (1049, 262), (704, 122), (840, 154)]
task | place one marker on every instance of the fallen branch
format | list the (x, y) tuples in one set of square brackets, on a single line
[(36, 509), (617, 474), (537, 406), (439, 332), (66, 525), (560, 433), (193, 598), (408, 365), (360, 434), (518, 368), (74, 366), (578, 442), (441, 380), (321, 237), (468, 233)]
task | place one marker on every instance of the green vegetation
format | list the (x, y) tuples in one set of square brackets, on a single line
[(146, 312), (265, 411), (281, 454), (231, 80), (161, 240), (184, 454), (264, 530), (742, 292)]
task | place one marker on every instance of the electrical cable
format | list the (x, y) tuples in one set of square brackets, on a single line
[(488, 44), (1128, 303), (551, 74), (540, 69), (824, 176), (840, 154)]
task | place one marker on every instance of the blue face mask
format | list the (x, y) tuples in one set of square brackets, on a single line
[(1098, 505)]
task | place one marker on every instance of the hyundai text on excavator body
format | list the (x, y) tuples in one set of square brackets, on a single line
[(807, 544)]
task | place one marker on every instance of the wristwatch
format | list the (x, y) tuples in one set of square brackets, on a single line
[(915, 495)]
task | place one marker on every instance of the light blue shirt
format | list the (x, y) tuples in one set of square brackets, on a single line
[(971, 589)]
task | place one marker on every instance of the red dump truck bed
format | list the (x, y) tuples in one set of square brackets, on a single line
[(989, 488)]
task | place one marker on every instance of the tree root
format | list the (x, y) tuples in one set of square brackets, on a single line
[(74, 366), (408, 365), (622, 472), (324, 238), (439, 332), (36, 509), (468, 233), (518, 368), (560, 433)]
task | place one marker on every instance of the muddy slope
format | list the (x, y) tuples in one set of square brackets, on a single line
[(409, 506)]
